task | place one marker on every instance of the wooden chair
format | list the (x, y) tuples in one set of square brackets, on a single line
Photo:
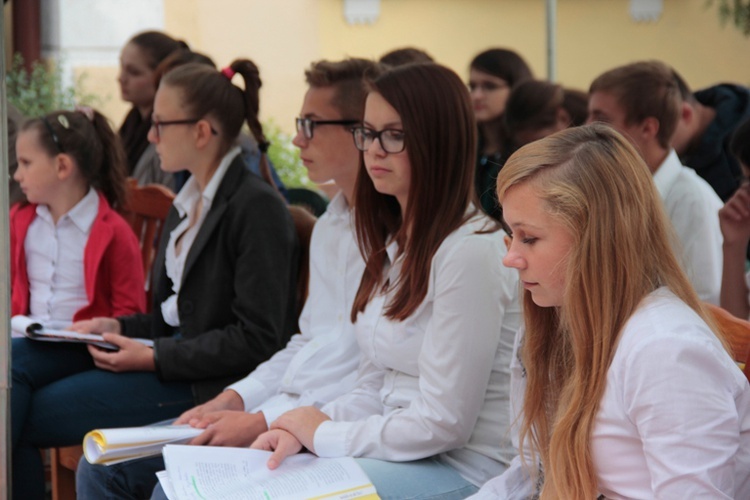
[(737, 333), (146, 209)]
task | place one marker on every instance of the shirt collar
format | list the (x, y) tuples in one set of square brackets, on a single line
[(188, 196), (667, 172), (338, 206), (82, 215)]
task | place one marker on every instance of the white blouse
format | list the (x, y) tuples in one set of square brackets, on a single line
[(186, 203), (54, 260), (320, 363), (674, 420), (437, 382)]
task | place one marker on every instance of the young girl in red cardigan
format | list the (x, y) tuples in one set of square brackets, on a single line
[(73, 257)]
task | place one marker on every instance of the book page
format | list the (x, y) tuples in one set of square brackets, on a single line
[(208, 472), (111, 446), (166, 485)]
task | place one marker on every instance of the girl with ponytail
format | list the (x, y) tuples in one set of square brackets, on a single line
[(73, 257), (223, 290)]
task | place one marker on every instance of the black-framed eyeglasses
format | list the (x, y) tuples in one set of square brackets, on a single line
[(307, 125), (391, 139), (157, 125)]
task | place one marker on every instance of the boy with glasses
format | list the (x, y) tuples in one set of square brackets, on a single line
[(320, 362)]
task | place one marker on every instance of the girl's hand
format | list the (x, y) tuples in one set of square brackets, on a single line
[(229, 428), (302, 422), (280, 442), (96, 325), (227, 400), (734, 218), (132, 356)]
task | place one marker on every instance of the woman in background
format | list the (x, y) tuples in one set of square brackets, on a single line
[(492, 75), (138, 62), (621, 386)]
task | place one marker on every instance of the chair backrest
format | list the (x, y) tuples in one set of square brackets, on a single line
[(304, 222), (737, 333), (146, 210)]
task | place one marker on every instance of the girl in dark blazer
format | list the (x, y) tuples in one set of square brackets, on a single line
[(223, 286)]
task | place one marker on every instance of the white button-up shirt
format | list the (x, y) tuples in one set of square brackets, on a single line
[(693, 207), (437, 382), (674, 420), (320, 362), (54, 259), (186, 203)]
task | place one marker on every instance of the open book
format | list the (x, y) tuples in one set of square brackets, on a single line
[(112, 446), (211, 472), (27, 327)]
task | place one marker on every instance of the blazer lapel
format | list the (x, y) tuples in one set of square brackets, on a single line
[(230, 182)]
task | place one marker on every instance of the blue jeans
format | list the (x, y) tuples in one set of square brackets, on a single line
[(427, 479), (131, 480), (58, 395)]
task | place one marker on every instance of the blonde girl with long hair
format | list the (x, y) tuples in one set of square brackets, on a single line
[(624, 388)]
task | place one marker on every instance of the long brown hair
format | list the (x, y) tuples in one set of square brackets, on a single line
[(87, 137), (592, 180), (440, 140)]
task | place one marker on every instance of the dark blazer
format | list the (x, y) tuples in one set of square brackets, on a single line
[(236, 302)]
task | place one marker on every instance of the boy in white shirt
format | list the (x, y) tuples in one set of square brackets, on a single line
[(642, 101)]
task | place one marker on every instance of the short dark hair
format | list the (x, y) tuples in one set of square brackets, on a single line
[(644, 89), (405, 55), (346, 77)]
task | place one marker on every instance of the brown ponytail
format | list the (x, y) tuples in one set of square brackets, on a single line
[(208, 92), (251, 75)]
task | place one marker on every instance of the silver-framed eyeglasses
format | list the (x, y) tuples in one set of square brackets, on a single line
[(307, 125), (391, 139), (157, 125)]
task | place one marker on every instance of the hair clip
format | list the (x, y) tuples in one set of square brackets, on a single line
[(263, 146), (63, 120), (228, 72), (87, 111)]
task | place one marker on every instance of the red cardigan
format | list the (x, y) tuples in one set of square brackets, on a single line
[(113, 273)]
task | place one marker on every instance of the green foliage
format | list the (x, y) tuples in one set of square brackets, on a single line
[(735, 11), (41, 91), (285, 157)]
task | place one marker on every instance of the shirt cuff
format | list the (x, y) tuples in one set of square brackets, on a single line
[(330, 439), (274, 410), (246, 388)]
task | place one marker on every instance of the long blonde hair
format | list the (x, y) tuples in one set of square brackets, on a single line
[(592, 180)]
